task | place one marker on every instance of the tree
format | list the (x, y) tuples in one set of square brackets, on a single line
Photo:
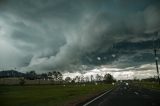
[(99, 77), (68, 79), (44, 76), (82, 78), (21, 81), (87, 79), (108, 78), (31, 75), (57, 76), (92, 78), (50, 75), (77, 79)]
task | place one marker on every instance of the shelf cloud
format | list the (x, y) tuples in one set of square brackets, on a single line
[(77, 35)]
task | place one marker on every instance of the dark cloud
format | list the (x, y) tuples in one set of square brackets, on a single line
[(66, 35)]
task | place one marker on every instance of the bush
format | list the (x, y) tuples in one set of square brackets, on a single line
[(22, 81)]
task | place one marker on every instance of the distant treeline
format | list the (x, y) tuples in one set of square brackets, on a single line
[(56, 76), (31, 75), (152, 79), (11, 73)]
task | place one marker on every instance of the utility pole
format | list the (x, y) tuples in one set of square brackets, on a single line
[(156, 58)]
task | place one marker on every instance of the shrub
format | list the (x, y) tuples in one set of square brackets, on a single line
[(21, 81)]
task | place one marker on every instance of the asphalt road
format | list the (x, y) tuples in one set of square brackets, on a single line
[(125, 95)]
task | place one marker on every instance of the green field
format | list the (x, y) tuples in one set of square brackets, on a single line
[(148, 85), (48, 95)]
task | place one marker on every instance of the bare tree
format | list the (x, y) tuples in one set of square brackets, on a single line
[(92, 78), (82, 78), (98, 77), (77, 79), (87, 79)]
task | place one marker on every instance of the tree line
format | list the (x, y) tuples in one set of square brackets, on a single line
[(58, 77)]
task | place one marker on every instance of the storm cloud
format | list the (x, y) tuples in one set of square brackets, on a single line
[(67, 35)]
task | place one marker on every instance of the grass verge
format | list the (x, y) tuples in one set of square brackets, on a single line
[(48, 95), (149, 85)]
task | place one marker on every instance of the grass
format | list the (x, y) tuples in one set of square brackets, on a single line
[(46, 95), (149, 85)]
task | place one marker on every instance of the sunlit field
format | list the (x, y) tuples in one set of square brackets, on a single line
[(49, 95)]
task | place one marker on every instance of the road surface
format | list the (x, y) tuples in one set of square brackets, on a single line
[(125, 95)]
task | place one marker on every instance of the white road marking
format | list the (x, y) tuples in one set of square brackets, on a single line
[(97, 97)]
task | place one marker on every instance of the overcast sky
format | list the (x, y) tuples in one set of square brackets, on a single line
[(79, 35)]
